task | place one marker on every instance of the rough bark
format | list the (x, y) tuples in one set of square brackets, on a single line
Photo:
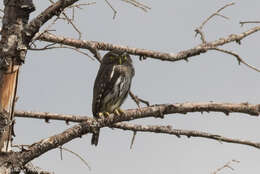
[(12, 55)]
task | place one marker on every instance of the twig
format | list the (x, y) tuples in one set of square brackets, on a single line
[(72, 24), (133, 139), (50, 46), (239, 59), (137, 100), (227, 165), (114, 10), (248, 22), (69, 21), (81, 4), (217, 13), (77, 155), (138, 4)]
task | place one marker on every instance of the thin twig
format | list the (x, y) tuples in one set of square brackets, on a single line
[(137, 100), (77, 155), (50, 46), (72, 24), (138, 4), (248, 22), (217, 13), (133, 139), (53, 10), (227, 165), (81, 4), (114, 10), (239, 59)]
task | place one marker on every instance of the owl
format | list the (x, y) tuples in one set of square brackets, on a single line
[(112, 85)]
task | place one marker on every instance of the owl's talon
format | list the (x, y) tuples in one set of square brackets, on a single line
[(106, 114), (100, 114), (103, 114), (119, 112)]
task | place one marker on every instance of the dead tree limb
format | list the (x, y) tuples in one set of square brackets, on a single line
[(182, 55), (53, 10), (141, 128), (180, 132), (19, 159), (182, 108)]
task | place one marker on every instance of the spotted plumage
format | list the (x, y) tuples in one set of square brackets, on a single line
[(112, 84)]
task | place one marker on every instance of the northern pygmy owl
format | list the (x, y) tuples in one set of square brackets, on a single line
[(112, 85)]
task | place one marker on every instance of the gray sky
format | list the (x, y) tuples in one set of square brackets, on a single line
[(61, 81)]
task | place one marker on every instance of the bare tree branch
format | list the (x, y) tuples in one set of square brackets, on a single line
[(239, 59), (179, 132), (182, 108), (152, 128), (53, 10), (182, 55), (90, 125)]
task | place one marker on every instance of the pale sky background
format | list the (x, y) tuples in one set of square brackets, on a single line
[(61, 81)]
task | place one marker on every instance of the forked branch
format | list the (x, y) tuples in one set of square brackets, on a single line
[(182, 55), (89, 125)]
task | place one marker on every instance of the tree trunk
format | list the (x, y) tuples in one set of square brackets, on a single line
[(12, 53), (8, 85)]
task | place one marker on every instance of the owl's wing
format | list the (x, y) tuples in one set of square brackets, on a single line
[(112, 84)]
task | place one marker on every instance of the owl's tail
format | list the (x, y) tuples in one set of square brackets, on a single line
[(94, 139)]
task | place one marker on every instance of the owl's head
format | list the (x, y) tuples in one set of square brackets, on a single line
[(116, 57)]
